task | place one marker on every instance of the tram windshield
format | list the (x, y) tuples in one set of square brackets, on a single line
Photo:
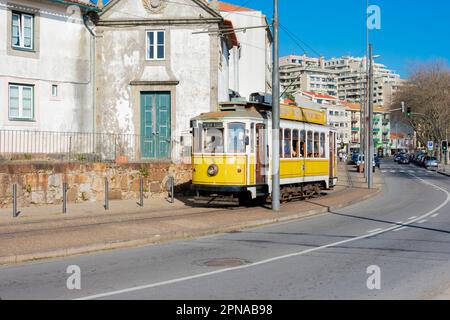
[(213, 142), (236, 137)]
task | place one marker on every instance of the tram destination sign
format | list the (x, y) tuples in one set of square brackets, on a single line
[(212, 125)]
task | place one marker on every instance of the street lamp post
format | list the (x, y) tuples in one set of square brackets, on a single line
[(370, 152), (275, 113)]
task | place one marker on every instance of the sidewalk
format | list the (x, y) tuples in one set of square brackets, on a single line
[(444, 169), (44, 232)]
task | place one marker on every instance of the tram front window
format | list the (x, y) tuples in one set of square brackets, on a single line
[(236, 138), (213, 140)]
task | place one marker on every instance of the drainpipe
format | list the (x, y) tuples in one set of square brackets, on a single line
[(92, 63)]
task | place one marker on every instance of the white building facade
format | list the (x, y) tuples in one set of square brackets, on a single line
[(251, 60), (46, 75)]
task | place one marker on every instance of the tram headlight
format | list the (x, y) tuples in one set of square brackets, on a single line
[(213, 170)]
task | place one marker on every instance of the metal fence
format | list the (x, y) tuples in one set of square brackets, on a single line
[(69, 146)]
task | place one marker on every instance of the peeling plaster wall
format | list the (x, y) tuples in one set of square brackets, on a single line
[(121, 60), (58, 59)]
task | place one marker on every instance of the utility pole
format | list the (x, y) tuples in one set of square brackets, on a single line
[(368, 98), (275, 113), (362, 118), (370, 155)]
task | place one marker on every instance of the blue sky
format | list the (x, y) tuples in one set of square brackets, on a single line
[(412, 31)]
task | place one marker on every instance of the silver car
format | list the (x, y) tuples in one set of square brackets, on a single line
[(430, 162)]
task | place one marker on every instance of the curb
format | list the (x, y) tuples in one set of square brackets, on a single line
[(444, 173), (155, 239)]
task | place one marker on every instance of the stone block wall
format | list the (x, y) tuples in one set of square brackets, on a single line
[(42, 183)]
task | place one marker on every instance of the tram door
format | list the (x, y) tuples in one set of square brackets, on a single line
[(261, 153), (332, 148)]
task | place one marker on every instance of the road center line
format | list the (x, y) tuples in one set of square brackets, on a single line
[(375, 230), (413, 217), (266, 261)]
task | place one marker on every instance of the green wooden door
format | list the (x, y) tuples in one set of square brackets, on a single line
[(155, 124)]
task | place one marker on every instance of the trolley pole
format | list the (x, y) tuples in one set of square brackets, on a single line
[(370, 154), (275, 113)]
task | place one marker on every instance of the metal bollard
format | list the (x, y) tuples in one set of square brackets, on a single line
[(172, 190), (106, 206), (141, 192), (64, 208), (14, 191)]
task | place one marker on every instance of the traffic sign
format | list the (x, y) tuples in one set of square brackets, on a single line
[(430, 145)]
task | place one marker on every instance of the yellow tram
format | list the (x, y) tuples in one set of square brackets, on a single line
[(232, 152)]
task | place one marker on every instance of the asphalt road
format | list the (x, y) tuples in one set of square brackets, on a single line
[(404, 231)]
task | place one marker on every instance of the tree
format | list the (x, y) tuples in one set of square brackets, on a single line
[(427, 93)]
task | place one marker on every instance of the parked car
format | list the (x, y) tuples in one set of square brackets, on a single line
[(419, 159), (430, 162), (354, 157), (398, 156), (404, 159), (360, 160)]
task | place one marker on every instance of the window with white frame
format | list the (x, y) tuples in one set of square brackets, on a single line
[(156, 46), (22, 30), (21, 102), (54, 90)]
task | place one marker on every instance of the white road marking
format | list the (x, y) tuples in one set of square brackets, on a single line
[(422, 221), (375, 230), (262, 262), (435, 215), (399, 222), (383, 171), (393, 171), (402, 228), (413, 217)]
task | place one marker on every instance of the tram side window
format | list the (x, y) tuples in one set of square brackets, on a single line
[(281, 143), (303, 144), (316, 145), (236, 137), (213, 142), (295, 144), (198, 140), (287, 143), (309, 144), (322, 145)]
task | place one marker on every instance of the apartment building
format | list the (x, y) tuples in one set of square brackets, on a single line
[(381, 128), (354, 110), (307, 74), (351, 80), (344, 78)]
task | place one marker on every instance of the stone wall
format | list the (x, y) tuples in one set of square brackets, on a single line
[(42, 183)]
